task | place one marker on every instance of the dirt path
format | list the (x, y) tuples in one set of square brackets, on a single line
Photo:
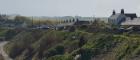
[(2, 52)]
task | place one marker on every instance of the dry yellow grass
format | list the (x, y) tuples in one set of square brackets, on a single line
[(50, 22)]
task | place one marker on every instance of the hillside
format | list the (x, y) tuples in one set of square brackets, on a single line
[(86, 42)]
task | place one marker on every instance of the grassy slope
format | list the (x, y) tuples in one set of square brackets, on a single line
[(59, 45)]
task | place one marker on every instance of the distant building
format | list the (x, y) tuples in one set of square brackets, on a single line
[(118, 18), (3, 17), (82, 23), (134, 22)]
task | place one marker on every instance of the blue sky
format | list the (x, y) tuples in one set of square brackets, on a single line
[(98, 8)]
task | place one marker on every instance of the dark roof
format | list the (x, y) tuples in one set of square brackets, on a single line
[(116, 16), (131, 15), (82, 23)]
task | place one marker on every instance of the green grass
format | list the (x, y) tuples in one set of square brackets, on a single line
[(60, 45)]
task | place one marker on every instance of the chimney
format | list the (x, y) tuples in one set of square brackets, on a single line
[(113, 12), (122, 11)]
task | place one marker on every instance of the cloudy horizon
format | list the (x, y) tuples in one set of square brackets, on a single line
[(97, 8)]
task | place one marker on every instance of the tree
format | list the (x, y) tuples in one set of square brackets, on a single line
[(21, 19)]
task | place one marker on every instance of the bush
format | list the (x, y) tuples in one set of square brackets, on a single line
[(86, 54), (72, 29), (59, 45), (10, 33), (58, 50), (61, 57)]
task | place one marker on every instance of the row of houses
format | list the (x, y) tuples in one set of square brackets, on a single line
[(119, 19), (9, 22)]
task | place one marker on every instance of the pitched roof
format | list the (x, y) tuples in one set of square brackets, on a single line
[(131, 15), (82, 23), (116, 16), (135, 21)]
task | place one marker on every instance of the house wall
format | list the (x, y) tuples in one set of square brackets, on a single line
[(118, 20)]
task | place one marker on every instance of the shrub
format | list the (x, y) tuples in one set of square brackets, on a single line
[(86, 53), (58, 50), (61, 57)]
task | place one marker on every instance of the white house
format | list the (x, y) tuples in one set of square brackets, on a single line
[(118, 18)]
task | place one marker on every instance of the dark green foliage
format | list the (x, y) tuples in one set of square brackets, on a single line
[(86, 53), (58, 50), (60, 45), (99, 26), (81, 41), (11, 33), (61, 57), (72, 29)]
